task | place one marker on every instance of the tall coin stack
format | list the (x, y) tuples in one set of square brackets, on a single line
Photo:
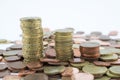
[(63, 44), (32, 38)]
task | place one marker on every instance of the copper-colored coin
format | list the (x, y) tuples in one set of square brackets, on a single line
[(101, 63), (76, 52), (25, 72), (16, 65), (34, 65), (95, 56), (11, 77), (67, 72), (49, 60)]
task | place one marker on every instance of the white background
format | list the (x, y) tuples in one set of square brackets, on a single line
[(86, 15)]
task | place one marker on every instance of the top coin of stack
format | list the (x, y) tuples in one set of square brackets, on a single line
[(63, 44), (32, 38)]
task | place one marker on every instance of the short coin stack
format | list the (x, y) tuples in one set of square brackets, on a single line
[(32, 38), (90, 50), (63, 44)]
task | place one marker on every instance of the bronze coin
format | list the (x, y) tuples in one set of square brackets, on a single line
[(101, 63), (49, 60), (96, 33), (34, 65), (67, 72), (76, 53), (89, 48), (25, 72), (91, 56)]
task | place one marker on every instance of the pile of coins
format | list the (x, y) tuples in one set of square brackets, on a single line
[(32, 38), (63, 44)]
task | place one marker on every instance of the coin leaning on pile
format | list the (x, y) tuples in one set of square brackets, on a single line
[(32, 38), (63, 44)]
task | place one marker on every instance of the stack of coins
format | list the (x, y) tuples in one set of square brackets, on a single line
[(63, 44), (90, 50), (32, 38)]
